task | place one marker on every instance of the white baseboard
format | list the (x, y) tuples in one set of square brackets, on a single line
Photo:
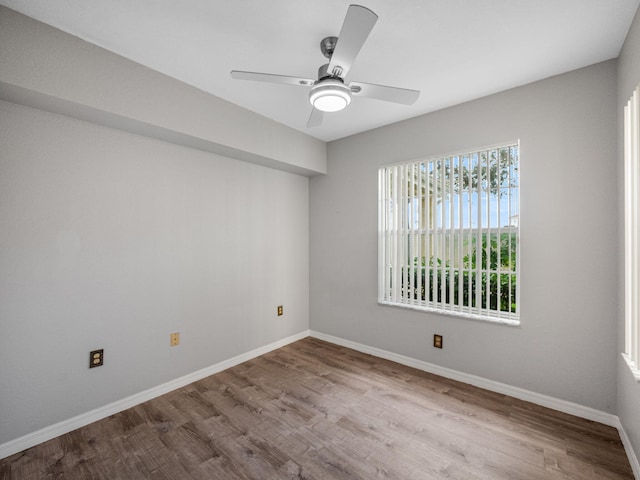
[(47, 433), (520, 393), (631, 454), (66, 426)]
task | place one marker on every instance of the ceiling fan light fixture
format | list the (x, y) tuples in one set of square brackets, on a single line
[(330, 95)]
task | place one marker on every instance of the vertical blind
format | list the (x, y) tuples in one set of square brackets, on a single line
[(632, 230), (449, 234)]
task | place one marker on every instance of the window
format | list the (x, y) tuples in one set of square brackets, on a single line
[(449, 234), (632, 231)]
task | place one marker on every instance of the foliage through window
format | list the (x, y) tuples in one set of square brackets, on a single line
[(449, 234)]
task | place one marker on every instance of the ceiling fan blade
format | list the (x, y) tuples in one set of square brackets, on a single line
[(382, 92), (356, 28), (315, 119), (268, 77)]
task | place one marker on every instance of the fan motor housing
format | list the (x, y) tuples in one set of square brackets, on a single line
[(323, 72)]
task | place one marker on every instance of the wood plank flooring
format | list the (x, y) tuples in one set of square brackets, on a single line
[(313, 410)]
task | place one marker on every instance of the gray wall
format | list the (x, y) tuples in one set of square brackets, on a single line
[(52, 70), (628, 387), (112, 240), (566, 344)]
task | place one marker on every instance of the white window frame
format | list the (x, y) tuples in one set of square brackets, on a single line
[(632, 232), (408, 229)]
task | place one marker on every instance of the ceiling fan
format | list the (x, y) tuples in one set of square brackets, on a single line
[(329, 93)]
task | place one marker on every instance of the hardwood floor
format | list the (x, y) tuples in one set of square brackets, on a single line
[(313, 410)]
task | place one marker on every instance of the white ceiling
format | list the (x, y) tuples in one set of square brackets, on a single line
[(451, 50)]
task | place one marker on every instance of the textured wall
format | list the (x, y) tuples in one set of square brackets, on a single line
[(566, 344), (628, 387), (112, 240), (109, 239), (54, 70)]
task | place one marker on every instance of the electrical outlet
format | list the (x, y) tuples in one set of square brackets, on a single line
[(96, 358), (437, 341), (280, 310), (174, 339)]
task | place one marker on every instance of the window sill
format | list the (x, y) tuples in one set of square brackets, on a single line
[(510, 322), (632, 366)]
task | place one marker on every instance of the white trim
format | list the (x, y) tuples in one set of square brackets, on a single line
[(452, 153), (520, 393), (631, 454), (632, 230), (632, 366), (469, 316), (52, 431)]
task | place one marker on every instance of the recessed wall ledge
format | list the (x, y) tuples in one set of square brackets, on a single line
[(42, 101), (48, 69)]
